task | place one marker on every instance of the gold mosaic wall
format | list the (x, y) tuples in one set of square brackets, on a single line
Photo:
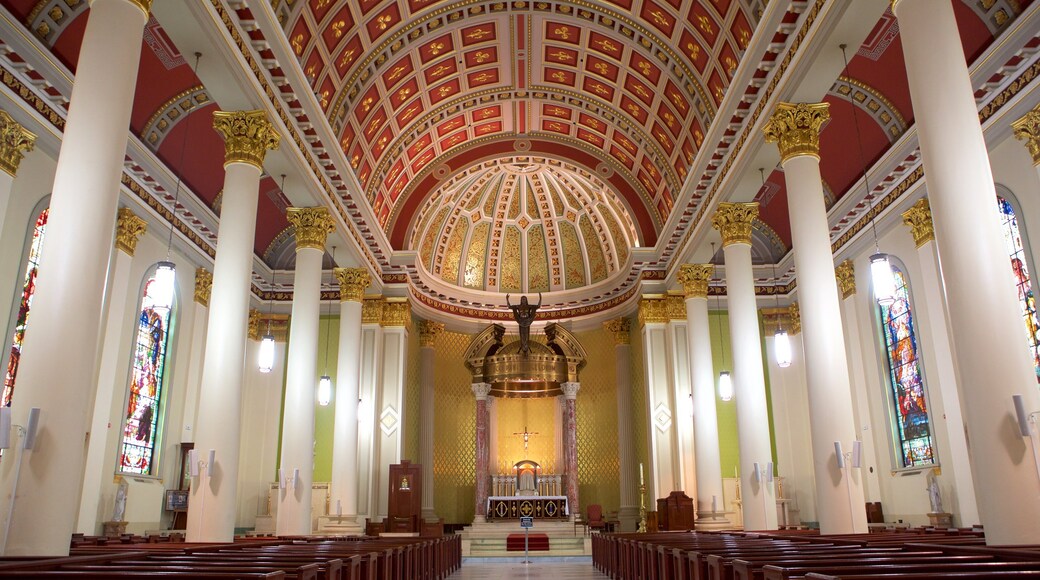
[(538, 416), (639, 416), (454, 427), (598, 461)]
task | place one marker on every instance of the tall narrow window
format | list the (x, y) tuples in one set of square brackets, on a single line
[(1023, 283), (912, 426), (22, 318), (141, 428)]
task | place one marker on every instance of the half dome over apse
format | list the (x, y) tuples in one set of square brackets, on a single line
[(524, 224)]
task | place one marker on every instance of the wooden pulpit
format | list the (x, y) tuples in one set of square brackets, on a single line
[(675, 512), (405, 498)]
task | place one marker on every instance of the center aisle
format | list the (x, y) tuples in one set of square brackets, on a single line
[(556, 571)]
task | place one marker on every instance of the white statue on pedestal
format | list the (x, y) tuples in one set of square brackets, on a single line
[(934, 495), (119, 509)]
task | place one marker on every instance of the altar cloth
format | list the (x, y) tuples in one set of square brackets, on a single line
[(536, 506)]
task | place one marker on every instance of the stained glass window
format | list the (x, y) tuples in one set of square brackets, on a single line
[(1023, 284), (912, 425), (144, 403), (28, 290)]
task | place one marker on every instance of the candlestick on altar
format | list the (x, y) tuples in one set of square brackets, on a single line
[(640, 474)]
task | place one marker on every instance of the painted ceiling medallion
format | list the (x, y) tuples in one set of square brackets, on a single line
[(524, 224)]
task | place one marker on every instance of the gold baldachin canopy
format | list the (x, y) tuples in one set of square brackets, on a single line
[(795, 128), (247, 136)]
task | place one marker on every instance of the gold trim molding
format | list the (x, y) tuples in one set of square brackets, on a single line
[(695, 279), (845, 273), (313, 226), (248, 135), (734, 220), (1028, 129), (15, 142), (428, 331), (352, 283), (619, 328), (129, 229), (203, 286), (396, 313), (795, 128), (919, 219)]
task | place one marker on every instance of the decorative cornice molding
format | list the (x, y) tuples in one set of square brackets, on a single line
[(734, 220), (312, 226), (203, 285), (129, 229), (428, 331), (15, 142), (795, 128), (352, 283), (919, 219), (845, 273), (619, 328), (247, 136), (695, 279), (1028, 129)]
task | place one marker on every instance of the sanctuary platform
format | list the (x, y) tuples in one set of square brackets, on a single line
[(491, 539)]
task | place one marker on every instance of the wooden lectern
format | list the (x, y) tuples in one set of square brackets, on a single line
[(405, 499), (675, 512)]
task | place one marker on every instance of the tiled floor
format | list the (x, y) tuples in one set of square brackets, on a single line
[(556, 571)]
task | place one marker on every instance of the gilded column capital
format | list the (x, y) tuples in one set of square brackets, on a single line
[(619, 327), (480, 390), (203, 285), (15, 142), (570, 390), (1028, 129), (352, 283), (796, 318), (675, 306), (919, 218), (144, 5), (653, 310), (254, 324), (795, 128), (845, 273), (733, 220), (396, 313), (428, 331), (372, 310), (129, 228), (695, 279), (247, 136), (313, 226)]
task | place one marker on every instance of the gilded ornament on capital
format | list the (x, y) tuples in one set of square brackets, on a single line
[(428, 331), (248, 135), (203, 285), (845, 273), (313, 226), (676, 307), (619, 328), (129, 229), (15, 142), (352, 283), (695, 279), (1028, 129), (734, 221), (254, 324), (144, 5), (653, 310), (795, 128), (919, 219), (396, 313), (796, 318), (372, 310)]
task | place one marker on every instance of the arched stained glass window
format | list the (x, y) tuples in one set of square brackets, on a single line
[(142, 425), (22, 317), (1023, 282), (912, 426)]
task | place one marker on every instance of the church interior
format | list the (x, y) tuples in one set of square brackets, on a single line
[(444, 268)]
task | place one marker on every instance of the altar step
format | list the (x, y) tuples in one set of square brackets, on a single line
[(488, 539), (492, 547)]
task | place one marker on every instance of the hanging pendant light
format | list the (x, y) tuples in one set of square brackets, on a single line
[(725, 381), (265, 358), (325, 382), (781, 341), (883, 280)]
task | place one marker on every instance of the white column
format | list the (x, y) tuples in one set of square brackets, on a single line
[(695, 279), (839, 493), (734, 220), (15, 142), (213, 502), (979, 285), (196, 352), (919, 219), (660, 411), (368, 422), (352, 284), (111, 374), (313, 225), (628, 514), (70, 290), (396, 318), (428, 331), (682, 395)]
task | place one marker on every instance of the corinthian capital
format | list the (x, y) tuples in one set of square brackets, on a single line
[(619, 327), (15, 142), (845, 273), (695, 278), (203, 285), (129, 229), (795, 128), (313, 225), (1028, 129), (428, 331), (247, 136), (919, 218), (733, 220), (352, 283)]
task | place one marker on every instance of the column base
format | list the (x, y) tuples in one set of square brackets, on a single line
[(430, 516), (346, 525), (712, 521), (628, 518), (479, 519)]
